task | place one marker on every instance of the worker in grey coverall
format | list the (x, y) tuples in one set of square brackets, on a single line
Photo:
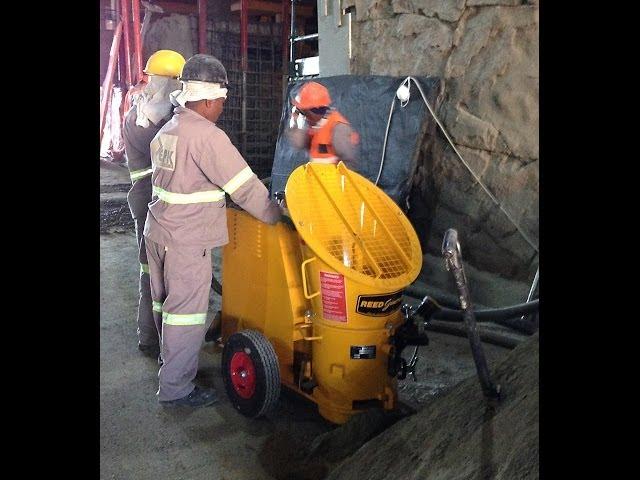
[(150, 110), (194, 164)]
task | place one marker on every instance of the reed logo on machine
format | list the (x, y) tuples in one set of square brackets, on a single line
[(379, 305)]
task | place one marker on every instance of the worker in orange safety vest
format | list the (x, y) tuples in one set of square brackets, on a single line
[(323, 130)]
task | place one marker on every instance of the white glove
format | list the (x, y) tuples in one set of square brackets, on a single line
[(296, 120)]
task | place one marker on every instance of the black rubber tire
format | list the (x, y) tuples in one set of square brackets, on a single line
[(265, 361)]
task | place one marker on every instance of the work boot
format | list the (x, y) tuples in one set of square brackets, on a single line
[(150, 351), (199, 397)]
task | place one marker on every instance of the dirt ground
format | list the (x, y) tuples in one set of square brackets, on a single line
[(459, 435), (141, 440)]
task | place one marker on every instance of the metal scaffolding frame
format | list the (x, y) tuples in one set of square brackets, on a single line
[(125, 58), (256, 55), (252, 126)]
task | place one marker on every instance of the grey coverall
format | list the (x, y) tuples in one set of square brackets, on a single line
[(194, 164), (136, 144)]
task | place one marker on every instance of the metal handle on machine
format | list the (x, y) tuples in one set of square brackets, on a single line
[(310, 338), (304, 280)]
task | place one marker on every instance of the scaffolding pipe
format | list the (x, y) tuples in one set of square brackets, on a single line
[(137, 40), (305, 37), (119, 77), (244, 51), (202, 26), (127, 45), (291, 33), (285, 39), (107, 85)]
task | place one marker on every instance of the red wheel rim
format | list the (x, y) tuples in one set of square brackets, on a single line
[(243, 374)]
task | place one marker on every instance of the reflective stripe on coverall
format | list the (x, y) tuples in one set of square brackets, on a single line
[(195, 163)]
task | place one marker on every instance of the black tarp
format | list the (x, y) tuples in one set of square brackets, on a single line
[(365, 101)]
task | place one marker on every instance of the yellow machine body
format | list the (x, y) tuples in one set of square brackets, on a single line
[(327, 293)]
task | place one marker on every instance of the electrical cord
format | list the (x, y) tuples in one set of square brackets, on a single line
[(403, 93)]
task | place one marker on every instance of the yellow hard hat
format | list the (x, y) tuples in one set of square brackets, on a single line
[(166, 63)]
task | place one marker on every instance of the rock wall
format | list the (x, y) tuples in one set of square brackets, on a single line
[(486, 52)]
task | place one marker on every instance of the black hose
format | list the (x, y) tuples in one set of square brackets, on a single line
[(492, 315), (446, 300), (486, 337), (510, 317)]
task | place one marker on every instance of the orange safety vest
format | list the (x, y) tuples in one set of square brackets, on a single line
[(321, 148)]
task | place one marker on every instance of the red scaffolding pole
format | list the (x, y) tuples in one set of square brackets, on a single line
[(127, 42), (107, 85), (137, 40), (244, 52)]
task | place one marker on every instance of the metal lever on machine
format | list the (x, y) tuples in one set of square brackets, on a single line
[(411, 366), (279, 196), (409, 333), (284, 217), (424, 310), (453, 260)]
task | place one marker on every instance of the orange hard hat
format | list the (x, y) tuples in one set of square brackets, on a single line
[(312, 95)]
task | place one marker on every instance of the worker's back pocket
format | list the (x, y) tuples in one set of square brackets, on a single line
[(189, 263)]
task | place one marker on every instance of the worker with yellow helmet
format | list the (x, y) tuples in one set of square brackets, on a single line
[(150, 110)]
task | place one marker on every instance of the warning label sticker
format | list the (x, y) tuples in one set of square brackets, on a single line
[(334, 298)]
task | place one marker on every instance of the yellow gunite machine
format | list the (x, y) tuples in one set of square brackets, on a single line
[(315, 303)]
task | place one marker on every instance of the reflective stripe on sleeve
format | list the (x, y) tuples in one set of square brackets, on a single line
[(138, 174), (238, 180)]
